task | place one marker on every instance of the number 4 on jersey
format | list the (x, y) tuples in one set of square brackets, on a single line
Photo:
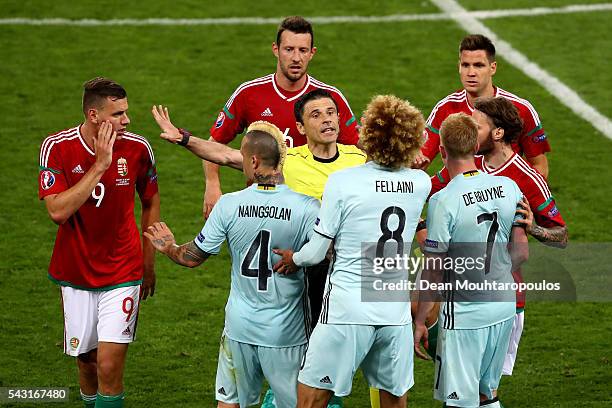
[(260, 248)]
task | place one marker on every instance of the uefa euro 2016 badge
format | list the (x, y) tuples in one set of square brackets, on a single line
[(47, 179), (74, 343), (220, 119), (122, 168)]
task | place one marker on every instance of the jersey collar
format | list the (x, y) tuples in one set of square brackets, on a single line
[(467, 100), (330, 160), (83, 141), (268, 187), (290, 98), (490, 170)]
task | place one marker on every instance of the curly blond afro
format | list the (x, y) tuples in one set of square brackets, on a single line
[(392, 131)]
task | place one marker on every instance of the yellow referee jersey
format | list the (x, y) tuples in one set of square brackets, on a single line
[(307, 174)]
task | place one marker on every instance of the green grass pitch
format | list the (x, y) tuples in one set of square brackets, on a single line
[(565, 351)]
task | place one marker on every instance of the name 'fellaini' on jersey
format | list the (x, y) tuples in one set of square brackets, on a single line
[(367, 204)]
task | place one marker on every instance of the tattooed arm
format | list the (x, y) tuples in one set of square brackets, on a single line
[(553, 236), (188, 254)]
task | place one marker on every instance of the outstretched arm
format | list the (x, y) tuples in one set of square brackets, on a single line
[(217, 153), (188, 254)]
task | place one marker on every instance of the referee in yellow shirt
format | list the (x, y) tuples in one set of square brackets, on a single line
[(305, 170)]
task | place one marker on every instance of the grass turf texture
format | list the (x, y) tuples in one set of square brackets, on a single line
[(564, 356)]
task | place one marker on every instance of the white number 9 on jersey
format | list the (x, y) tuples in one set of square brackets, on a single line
[(98, 193)]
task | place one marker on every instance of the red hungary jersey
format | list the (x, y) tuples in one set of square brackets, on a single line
[(264, 99), (534, 188), (531, 142), (99, 245)]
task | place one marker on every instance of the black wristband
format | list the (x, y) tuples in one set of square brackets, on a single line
[(421, 225), (186, 135)]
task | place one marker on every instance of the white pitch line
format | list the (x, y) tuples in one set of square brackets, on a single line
[(552, 84), (393, 18)]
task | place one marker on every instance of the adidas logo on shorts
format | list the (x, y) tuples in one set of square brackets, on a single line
[(222, 391), (267, 112), (452, 396), (127, 332), (326, 380)]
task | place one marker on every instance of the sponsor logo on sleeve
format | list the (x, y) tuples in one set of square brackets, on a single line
[(220, 120), (538, 139), (553, 212), (47, 180), (431, 243), (200, 238)]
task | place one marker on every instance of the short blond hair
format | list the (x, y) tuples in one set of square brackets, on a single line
[(392, 131), (275, 132), (459, 135)]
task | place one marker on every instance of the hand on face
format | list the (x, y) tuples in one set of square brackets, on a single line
[(103, 144)]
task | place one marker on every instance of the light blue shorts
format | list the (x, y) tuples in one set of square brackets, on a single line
[(242, 368), (336, 351), (469, 362)]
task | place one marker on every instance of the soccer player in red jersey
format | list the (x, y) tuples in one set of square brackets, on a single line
[(477, 66), (88, 175), (499, 124), (272, 97)]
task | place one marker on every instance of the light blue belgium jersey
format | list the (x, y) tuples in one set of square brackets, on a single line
[(363, 206), (472, 217), (264, 308)]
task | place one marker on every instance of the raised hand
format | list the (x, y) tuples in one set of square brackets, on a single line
[(169, 131), (161, 237), (103, 145)]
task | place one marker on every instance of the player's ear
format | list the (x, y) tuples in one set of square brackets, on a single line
[(275, 49), (313, 51), (255, 162), (92, 115), (476, 149), (498, 134), (442, 152), (300, 128), (493, 67)]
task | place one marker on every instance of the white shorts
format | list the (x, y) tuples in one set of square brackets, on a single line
[(515, 338), (242, 368), (94, 316)]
